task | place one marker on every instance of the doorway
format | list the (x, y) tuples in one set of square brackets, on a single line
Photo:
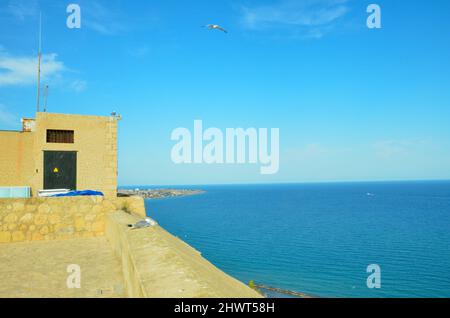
[(60, 170)]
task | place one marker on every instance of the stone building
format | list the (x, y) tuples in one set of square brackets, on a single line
[(60, 151)]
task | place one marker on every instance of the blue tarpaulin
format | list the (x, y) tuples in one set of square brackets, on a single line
[(79, 193)]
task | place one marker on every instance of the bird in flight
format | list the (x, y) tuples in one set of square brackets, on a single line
[(215, 27)]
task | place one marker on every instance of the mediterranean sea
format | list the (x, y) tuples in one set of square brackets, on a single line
[(319, 238)]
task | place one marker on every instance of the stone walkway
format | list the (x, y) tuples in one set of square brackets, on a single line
[(39, 269)]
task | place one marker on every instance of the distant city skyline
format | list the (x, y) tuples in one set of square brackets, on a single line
[(351, 103)]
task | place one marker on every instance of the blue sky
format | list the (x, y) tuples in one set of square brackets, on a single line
[(351, 103)]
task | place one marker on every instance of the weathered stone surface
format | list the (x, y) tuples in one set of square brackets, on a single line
[(30, 208), (40, 269), (97, 199), (73, 209), (172, 269), (85, 208), (57, 209), (40, 219), (98, 226), (108, 206), (27, 218), (64, 229), (50, 237), (18, 206), (10, 218), (90, 217), (12, 226), (44, 230), (79, 223), (59, 227), (18, 236), (97, 209), (5, 237), (60, 218), (44, 208), (37, 236), (67, 219), (54, 219)]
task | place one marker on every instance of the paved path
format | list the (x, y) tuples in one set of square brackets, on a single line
[(39, 269)]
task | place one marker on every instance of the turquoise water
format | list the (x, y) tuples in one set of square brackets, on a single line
[(320, 238)]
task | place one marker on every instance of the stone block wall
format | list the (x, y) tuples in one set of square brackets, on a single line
[(37, 219), (95, 142)]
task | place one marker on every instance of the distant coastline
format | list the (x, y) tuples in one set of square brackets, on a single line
[(159, 193)]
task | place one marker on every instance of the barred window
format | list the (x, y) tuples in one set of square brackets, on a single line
[(60, 136)]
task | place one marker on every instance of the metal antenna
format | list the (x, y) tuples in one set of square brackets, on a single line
[(39, 63), (46, 97)]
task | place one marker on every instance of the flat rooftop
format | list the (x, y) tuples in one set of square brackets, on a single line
[(39, 269)]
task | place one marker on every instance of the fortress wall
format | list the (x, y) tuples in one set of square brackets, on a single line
[(157, 264), (38, 219)]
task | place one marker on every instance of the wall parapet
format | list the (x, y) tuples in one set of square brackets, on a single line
[(158, 265), (58, 218)]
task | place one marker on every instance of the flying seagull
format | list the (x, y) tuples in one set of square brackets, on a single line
[(215, 27), (142, 224)]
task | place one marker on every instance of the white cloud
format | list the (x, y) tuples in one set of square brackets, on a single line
[(312, 18), (312, 151), (102, 19), (390, 149), (78, 85), (21, 9), (23, 70)]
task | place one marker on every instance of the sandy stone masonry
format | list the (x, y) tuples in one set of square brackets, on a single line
[(95, 144), (38, 219), (39, 237), (157, 264), (39, 269)]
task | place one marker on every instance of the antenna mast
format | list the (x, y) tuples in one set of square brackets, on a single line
[(46, 97), (39, 63)]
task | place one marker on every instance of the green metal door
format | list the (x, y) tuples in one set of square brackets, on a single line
[(60, 170)]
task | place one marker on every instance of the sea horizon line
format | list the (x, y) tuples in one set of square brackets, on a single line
[(287, 183)]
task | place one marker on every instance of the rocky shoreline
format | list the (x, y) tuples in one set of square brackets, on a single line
[(158, 193)]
